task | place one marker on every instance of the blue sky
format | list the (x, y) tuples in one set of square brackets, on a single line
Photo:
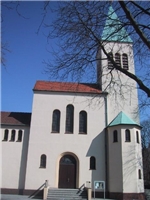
[(27, 51), (24, 63)]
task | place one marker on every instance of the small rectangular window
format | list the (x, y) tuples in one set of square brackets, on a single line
[(139, 174), (127, 135), (115, 136), (137, 137), (13, 133), (92, 163), (6, 135), (19, 136)]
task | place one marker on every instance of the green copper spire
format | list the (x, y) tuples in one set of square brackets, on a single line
[(113, 30), (121, 119)]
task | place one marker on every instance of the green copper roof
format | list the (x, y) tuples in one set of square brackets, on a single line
[(121, 119), (113, 30)]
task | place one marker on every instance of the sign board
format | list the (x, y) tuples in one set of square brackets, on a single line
[(99, 185)]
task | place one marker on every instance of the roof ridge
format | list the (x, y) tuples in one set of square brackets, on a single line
[(53, 86)]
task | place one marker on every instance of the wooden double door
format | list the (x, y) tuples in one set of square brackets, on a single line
[(67, 172)]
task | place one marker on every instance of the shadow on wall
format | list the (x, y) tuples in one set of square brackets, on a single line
[(97, 150), (23, 163), (133, 168)]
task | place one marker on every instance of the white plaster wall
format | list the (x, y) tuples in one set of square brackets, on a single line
[(123, 94), (132, 162), (114, 161), (42, 141), (14, 155), (140, 185)]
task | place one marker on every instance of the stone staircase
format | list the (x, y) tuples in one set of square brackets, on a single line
[(66, 194)]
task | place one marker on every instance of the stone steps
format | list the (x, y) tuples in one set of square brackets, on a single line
[(66, 194)]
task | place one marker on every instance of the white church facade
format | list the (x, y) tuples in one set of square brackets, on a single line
[(78, 133)]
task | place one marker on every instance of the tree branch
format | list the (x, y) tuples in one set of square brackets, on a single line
[(135, 25)]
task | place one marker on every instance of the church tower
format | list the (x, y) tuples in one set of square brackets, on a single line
[(122, 92), (125, 171)]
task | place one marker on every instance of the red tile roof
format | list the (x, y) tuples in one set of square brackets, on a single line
[(66, 87), (15, 118)]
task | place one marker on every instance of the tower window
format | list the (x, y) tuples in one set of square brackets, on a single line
[(115, 136), (110, 65), (19, 136), (127, 135), (118, 59), (6, 135), (56, 121), (69, 118), (43, 161), (13, 133), (125, 61), (137, 137), (82, 122), (92, 162)]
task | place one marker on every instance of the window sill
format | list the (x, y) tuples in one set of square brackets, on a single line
[(55, 132), (68, 132), (82, 133)]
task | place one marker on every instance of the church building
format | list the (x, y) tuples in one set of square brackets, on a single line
[(79, 133)]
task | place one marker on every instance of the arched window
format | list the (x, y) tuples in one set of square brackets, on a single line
[(69, 118), (110, 65), (115, 136), (56, 121), (13, 133), (125, 61), (6, 135), (43, 161), (118, 59), (139, 174), (127, 135), (137, 137), (92, 162), (82, 122), (19, 136)]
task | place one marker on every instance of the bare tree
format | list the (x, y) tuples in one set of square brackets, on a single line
[(78, 27), (145, 135)]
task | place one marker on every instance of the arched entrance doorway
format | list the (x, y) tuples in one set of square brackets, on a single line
[(67, 172)]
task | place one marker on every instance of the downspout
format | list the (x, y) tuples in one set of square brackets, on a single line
[(106, 141), (106, 110)]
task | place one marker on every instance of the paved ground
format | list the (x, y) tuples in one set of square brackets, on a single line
[(20, 197), (15, 197)]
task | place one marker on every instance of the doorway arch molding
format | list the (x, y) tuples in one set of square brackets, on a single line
[(58, 165)]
